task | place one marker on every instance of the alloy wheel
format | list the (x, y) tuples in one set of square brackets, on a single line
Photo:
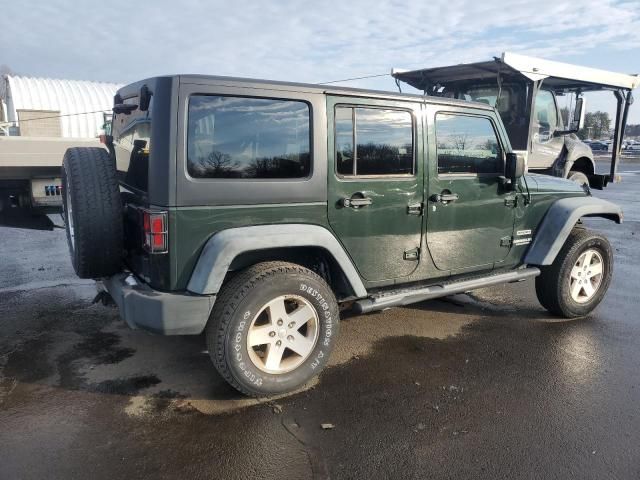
[(283, 334)]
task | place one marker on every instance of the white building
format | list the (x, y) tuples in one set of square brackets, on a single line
[(45, 107)]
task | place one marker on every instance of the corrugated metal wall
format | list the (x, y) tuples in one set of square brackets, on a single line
[(72, 98)]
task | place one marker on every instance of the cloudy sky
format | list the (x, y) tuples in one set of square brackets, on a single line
[(124, 40)]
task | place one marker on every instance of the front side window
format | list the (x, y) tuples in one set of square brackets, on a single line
[(509, 99), (249, 138), (373, 141), (467, 144), (546, 116)]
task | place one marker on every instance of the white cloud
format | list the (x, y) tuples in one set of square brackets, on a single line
[(122, 40)]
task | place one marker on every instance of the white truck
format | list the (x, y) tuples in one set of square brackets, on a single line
[(525, 92), (39, 119)]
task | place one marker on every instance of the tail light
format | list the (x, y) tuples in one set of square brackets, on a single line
[(156, 236)]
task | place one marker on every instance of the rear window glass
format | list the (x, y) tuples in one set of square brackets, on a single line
[(132, 143), (383, 140), (250, 138)]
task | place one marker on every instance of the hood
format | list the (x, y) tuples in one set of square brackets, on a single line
[(547, 183)]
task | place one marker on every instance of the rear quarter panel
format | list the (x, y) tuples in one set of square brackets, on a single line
[(206, 206)]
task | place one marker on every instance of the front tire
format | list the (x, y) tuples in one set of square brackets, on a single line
[(272, 328), (578, 177), (578, 279)]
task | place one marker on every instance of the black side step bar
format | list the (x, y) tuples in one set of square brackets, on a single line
[(407, 297)]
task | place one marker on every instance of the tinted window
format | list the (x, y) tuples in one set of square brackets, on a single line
[(236, 137), (344, 141), (383, 141), (132, 144), (467, 145), (510, 100)]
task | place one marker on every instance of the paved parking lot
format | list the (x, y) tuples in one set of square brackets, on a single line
[(476, 386)]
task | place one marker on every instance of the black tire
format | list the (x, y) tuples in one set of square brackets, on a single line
[(241, 299), (90, 184), (553, 285), (578, 177)]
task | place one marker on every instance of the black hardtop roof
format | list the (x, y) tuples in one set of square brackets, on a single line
[(132, 88)]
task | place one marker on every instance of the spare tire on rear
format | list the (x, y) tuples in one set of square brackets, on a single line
[(92, 212)]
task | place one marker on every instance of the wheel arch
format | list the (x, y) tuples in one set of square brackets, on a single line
[(312, 246), (558, 222), (582, 164)]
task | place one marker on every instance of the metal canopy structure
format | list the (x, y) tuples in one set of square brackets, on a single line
[(557, 76)]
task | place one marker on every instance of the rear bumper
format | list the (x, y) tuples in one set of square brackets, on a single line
[(158, 312)]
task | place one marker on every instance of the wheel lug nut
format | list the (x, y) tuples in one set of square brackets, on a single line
[(280, 322), (279, 342), (272, 334), (290, 338), (291, 325)]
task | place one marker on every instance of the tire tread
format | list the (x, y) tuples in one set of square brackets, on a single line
[(548, 283), (228, 300), (97, 211)]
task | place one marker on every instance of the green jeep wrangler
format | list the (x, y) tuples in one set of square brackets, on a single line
[(255, 211)]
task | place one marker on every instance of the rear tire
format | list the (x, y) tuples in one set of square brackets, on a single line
[(92, 212), (272, 308), (571, 286)]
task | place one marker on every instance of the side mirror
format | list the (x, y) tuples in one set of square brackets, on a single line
[(577, 121), (144, 98), (515, 167)]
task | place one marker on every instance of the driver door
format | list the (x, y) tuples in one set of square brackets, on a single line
[(470, 213)]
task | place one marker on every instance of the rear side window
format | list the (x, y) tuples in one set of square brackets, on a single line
[(467, 144), (373, 141), (250, 138), (132, 143)]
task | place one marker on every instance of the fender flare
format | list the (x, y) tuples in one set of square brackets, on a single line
[(570, 163), (221, 249), (576, 150), (560, 220)]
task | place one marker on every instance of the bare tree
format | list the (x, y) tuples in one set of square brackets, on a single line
[(460, 141)]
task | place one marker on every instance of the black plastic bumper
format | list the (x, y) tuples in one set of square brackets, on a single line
[(159, 312)]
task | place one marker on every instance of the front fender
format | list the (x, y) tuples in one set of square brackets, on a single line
[(560, 220), (576, 149), (223, 247)]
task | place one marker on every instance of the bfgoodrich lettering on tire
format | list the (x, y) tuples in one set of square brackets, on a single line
[(579, 277), (272, 328)]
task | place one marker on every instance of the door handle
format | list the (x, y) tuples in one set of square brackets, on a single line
[(444, 197), (356, 200)]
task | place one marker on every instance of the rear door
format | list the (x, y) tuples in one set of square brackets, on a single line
[(376, 183), (470, 213)]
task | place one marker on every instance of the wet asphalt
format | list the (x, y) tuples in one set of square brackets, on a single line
[(487, 385)]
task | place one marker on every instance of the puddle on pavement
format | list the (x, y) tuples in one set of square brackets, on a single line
[(158, 375), (183, 364)]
